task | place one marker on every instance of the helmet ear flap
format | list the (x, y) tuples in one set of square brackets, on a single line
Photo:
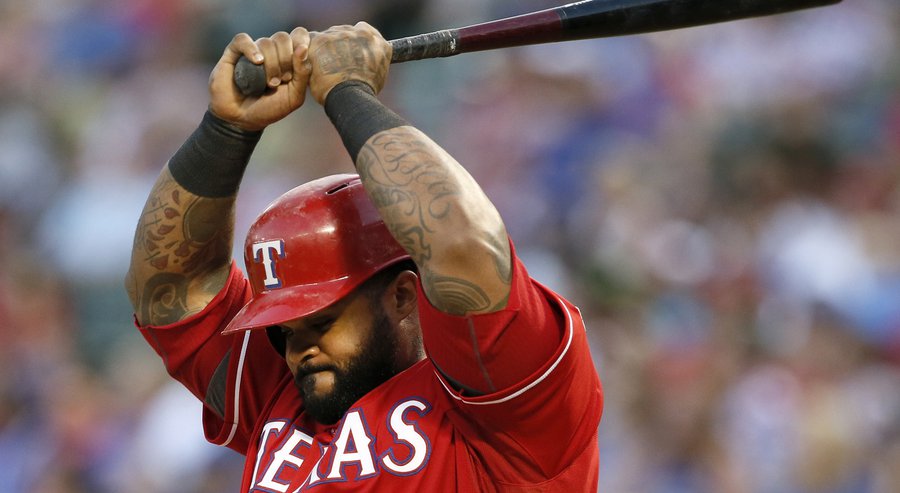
[(276, 338)]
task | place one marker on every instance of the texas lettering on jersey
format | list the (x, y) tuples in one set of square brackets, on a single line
[(354, 453)]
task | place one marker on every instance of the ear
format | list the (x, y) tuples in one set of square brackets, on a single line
[(402, 294)]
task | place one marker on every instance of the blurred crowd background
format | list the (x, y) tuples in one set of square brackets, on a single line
[(721, 202)]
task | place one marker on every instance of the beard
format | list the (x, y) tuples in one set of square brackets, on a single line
[(374, 365)]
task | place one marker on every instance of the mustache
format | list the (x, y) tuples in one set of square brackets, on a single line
[(305, 370)]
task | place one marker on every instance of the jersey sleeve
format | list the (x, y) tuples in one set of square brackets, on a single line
[(234, 376), (522, 381)]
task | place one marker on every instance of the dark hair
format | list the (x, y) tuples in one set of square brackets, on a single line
[(378, 282)]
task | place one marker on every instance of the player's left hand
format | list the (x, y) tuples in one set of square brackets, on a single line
[(344, 53)]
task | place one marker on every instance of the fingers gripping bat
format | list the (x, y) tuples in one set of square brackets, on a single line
[(579, 20)]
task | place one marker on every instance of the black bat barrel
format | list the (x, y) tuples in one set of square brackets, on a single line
[(605, 18)]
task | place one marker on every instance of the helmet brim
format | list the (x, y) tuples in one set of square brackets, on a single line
[(282, 305)]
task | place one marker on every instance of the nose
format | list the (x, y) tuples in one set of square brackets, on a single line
[(299, 349)]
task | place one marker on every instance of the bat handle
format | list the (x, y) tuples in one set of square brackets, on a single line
[(250, 78), (430, 45)]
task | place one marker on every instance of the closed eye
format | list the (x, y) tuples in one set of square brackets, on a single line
[(321, 326)]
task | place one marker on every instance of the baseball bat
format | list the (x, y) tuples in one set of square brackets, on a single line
[(579, 20)]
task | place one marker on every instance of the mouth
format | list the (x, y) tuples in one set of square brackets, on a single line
[(306, 378), (305, 371)]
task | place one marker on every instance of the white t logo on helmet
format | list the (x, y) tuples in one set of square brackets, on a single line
[(262, 252)]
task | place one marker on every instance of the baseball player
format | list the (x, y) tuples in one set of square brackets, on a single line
[(386, 336)]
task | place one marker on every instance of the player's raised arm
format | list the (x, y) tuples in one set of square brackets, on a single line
[(182, 245), (429, 202)]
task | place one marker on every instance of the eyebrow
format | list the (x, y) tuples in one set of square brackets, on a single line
[(318, 319), (330, 313)]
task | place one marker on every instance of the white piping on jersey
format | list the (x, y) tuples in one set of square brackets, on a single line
[(528, 387), (237, 389)]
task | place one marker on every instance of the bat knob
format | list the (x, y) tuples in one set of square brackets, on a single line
[(249, 78)]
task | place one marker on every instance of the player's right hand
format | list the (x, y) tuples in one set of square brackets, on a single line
[(343, 53), (284, 57)]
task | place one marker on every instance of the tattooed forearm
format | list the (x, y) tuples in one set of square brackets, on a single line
[(412, 191), (180, 238), (164, 299), (181, 232), (207, 236), (441, 217)]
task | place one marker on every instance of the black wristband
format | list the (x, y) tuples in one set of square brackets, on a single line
[(358, 115), (211, 162)]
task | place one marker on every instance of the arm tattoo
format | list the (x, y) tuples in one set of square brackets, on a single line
[(389, 167), (179, 237), (503, 263), (164, 299), (180, 233), (417, 193), (458, 296), (351, 58)]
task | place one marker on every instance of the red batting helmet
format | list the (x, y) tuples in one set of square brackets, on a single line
[(309, 248)]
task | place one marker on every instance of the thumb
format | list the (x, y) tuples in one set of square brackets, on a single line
[(300, 59)]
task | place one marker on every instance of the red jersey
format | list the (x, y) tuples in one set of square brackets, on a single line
[(536, 431)]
